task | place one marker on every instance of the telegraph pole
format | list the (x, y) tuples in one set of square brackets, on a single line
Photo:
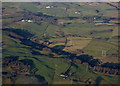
[(103, 53), (86, 68), (70, 42)]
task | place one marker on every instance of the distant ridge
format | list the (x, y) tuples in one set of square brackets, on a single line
[(60, 0)]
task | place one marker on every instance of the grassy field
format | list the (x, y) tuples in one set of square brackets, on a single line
[(73, 25), (52, 31), (49, 68), (87, 9), (44, 70), (29, 7), (108, 59), (57, 41), (56, 66), (14, 47), (95, 48), (85, 29), (33, 28), (36, 29), (81, 73), (75, 43)]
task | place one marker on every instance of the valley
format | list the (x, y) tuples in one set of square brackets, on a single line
[(60, 43)]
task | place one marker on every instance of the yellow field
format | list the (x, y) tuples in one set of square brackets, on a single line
[(75, 43), (108, 59), (57, 41)]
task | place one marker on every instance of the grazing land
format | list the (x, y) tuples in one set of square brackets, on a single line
[(60, 43)]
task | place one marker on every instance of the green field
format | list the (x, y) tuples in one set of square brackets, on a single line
[(101, 45), (42, 50)]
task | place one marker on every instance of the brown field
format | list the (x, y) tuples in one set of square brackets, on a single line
[(57, 41), (108, 59), (75, 43)]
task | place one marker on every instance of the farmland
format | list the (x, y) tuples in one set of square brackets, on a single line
[(60, 43)]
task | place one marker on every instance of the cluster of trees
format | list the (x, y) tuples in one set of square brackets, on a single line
[(16, 65), (58, 50), (14, 61), (28, 62), (40, 14), (105, 70), (103, 31), (71, 18), (21, 32), (95, 65), (111, 65), (36, 52), (7, 60), (75, 35), (24, 66), (84, 58), (59, 47), (94, 62), (88, 59), (28, 42)]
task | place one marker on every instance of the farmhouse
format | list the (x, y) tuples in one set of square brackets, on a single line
[(23, 20), (49, 6), (26, 20), (94, 18), (63, 76), (29, 21), (77, 12)]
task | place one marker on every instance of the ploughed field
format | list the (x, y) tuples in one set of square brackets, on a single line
[(60, 43)]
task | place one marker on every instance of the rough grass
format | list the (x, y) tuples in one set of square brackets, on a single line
[(29, 6), (57, 11), (43, 70), (75, 43), (85, 29), (36, 29), (52, 30), (95, 48), (108, 59), (33, 28), (14, 47), (49, 68), (46, 68)]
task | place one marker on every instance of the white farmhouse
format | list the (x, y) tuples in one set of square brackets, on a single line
[(76, 12), (94, 18), (62, 75), (29, 21), (23, 20), (26, 20), (47, 7)]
